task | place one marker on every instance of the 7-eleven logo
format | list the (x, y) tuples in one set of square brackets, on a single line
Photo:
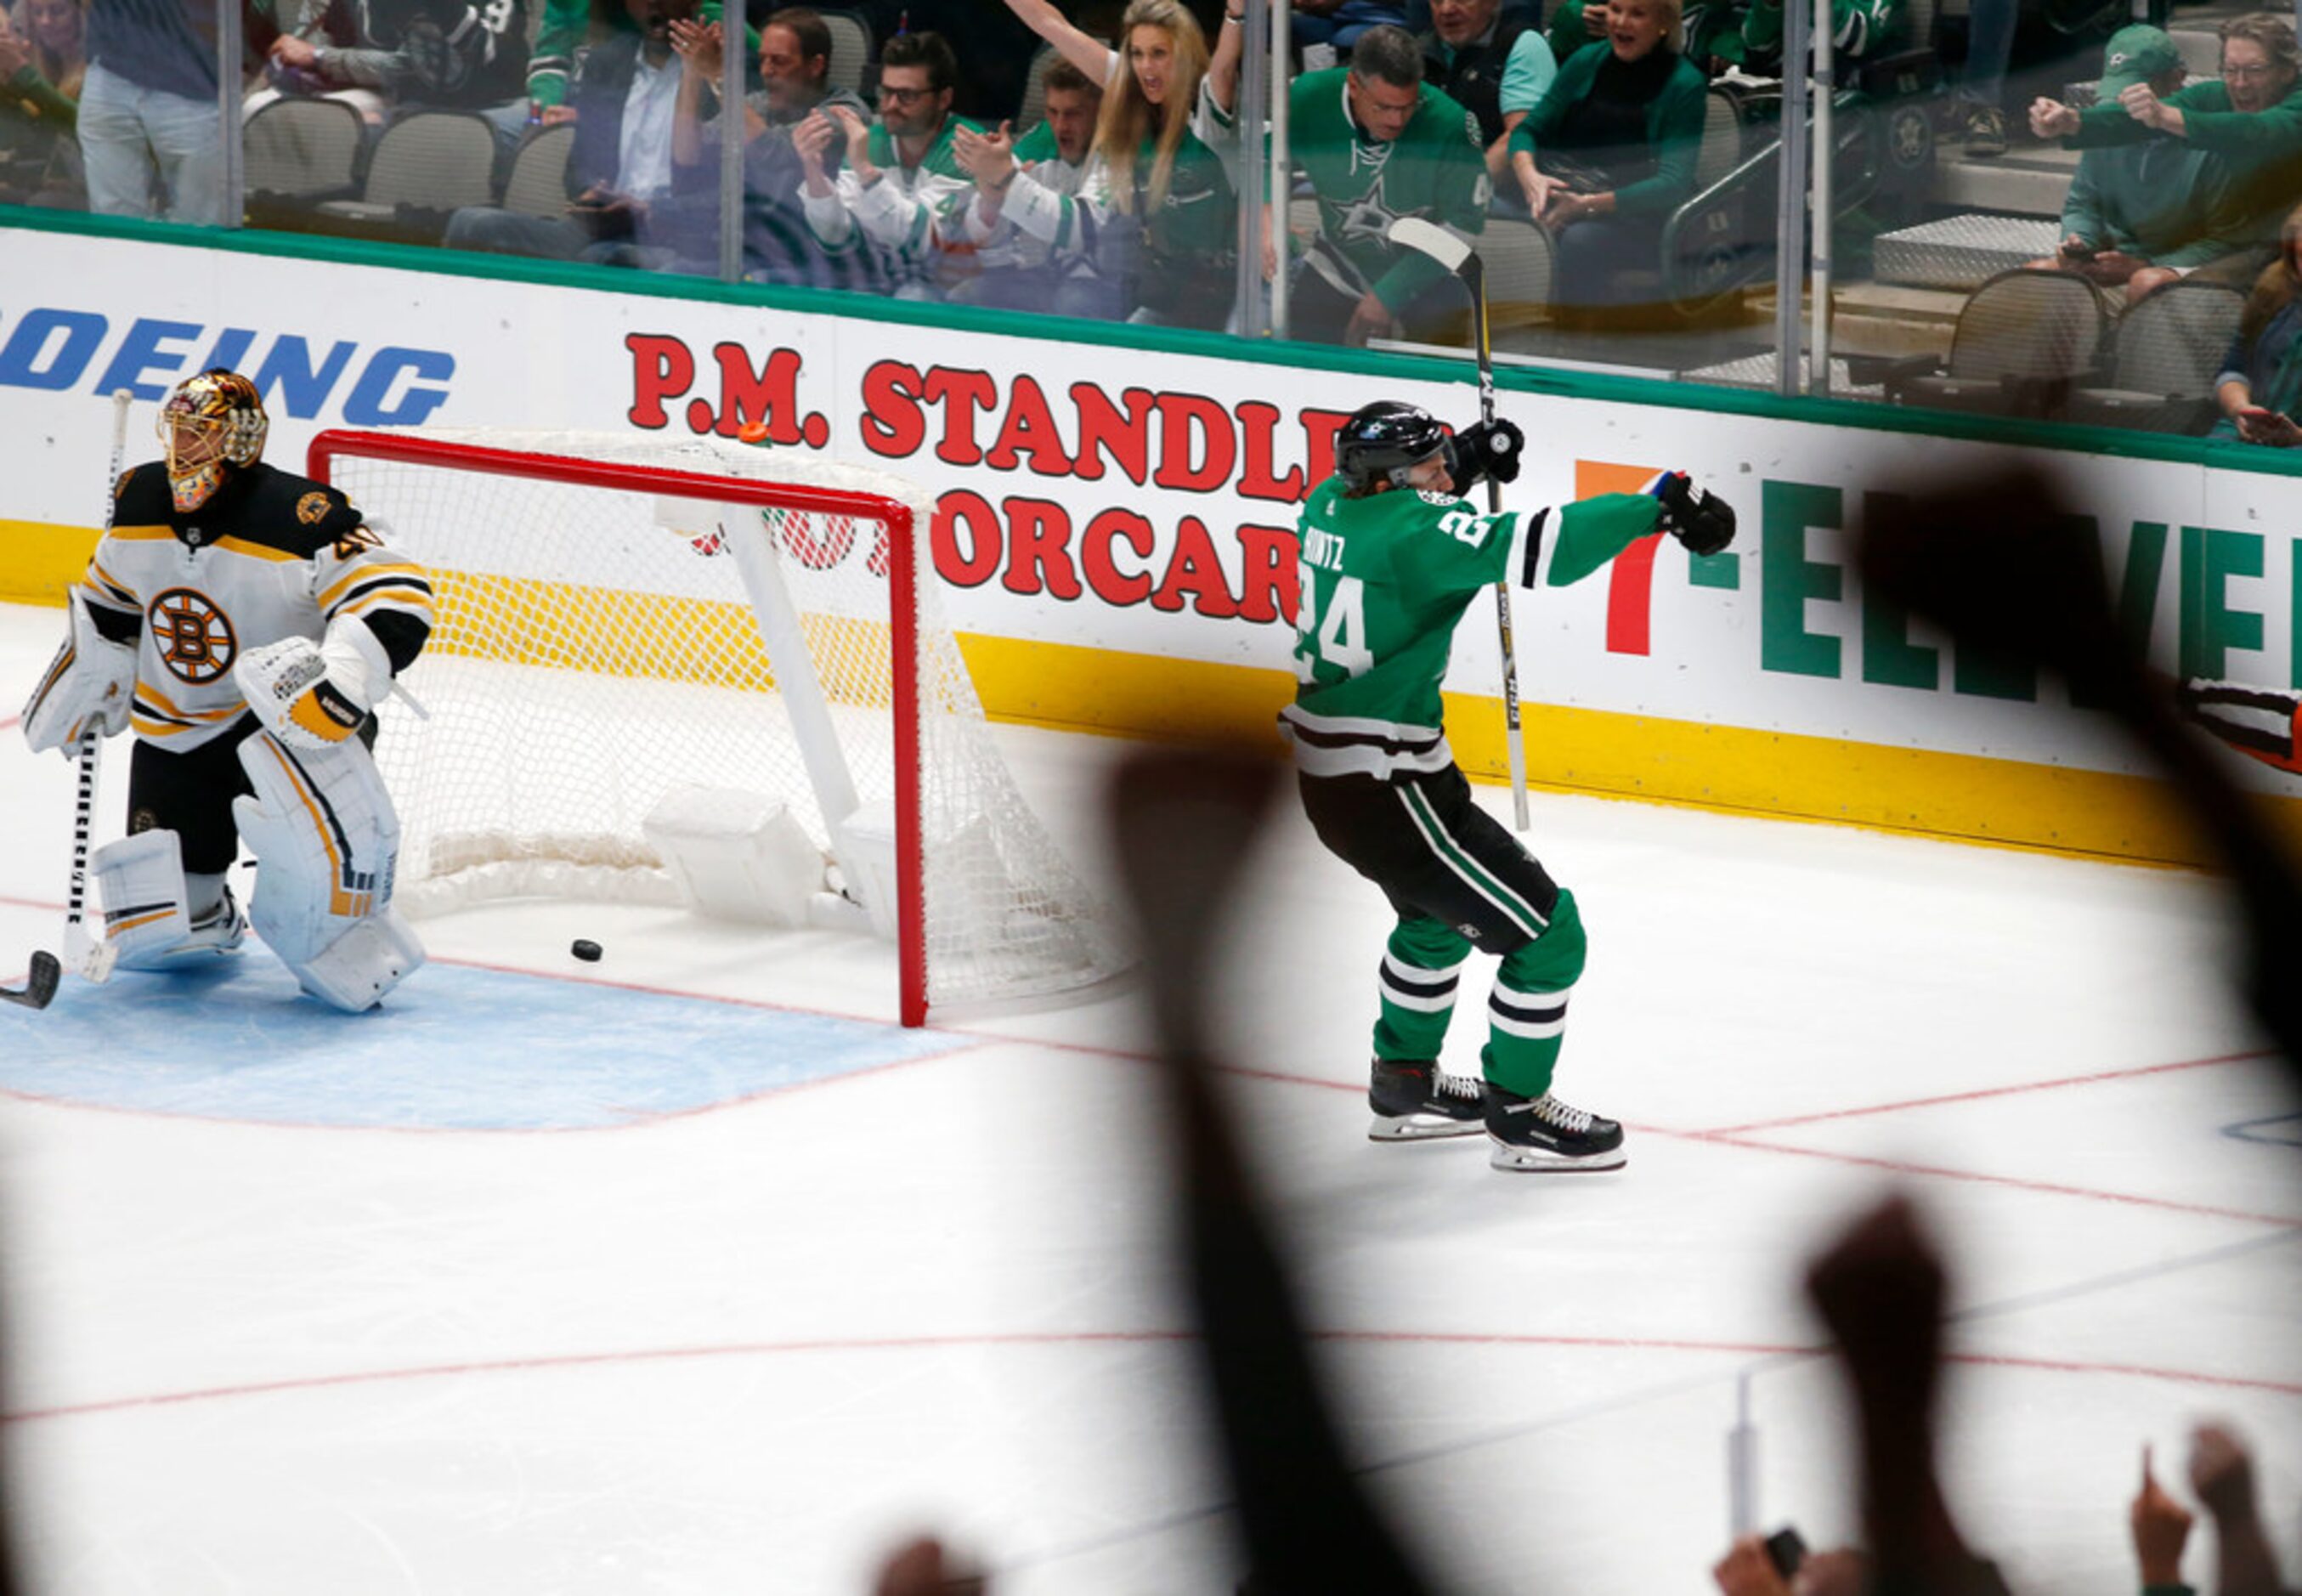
[(1630, 585)]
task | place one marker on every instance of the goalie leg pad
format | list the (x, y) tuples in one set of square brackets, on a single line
[(357, 969), (326, 841), (139, 879)]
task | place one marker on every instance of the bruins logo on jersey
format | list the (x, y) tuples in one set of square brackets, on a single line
[(194, 637), (312, 508)]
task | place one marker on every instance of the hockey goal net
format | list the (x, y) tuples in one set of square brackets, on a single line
[(624, 622)]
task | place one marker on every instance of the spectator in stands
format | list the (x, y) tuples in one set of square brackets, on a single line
[(1074, 271), (1378, 143), (1326, 32), (1611, 151), (310, 36), (2260, 386), (902, 179), (151, 133), (1978, 107), (561, 37), (2138, 214), (1754, 43), (43, 57), (2251, 118), (435, 55), (1494, 65), (620, 164), (1574, 25), (795, 69), (1164, 212)]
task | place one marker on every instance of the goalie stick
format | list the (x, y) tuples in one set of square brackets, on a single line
[(1455, 253), (88, 958)]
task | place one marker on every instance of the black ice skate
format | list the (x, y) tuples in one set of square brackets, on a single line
[(1543, 1136), (1412, 1101)]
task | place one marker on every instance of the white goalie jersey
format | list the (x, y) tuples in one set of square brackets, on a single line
[(270, 556)]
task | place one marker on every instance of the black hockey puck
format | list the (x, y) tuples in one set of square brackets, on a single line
[(589, 952)]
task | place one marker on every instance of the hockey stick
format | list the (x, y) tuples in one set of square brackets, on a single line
[(1455, 253), (89, 959), (86, 956)]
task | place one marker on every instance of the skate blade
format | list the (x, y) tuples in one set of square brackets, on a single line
[(1420, 1127), (1536, 1161)]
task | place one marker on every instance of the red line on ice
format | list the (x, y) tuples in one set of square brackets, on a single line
[(1077, 1339), (1980, 1093)]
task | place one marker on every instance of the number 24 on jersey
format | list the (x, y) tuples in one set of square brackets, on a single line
[(1336, 634)]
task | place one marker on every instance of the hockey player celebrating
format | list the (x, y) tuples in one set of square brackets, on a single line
[(1389, 558), (243, 621)]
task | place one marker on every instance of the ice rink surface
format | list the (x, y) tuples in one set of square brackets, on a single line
[(688, 1271)]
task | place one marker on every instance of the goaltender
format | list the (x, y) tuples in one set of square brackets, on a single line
[(1389, 558), (243, 621)]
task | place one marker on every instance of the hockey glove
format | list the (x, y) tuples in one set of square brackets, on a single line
[(1703, 521), (1491, 449), (89, 685), (314, 695)]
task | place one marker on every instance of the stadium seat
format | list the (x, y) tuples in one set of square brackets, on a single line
[(425, 165), (851, 53), (537, 185), (296, 153), (2168, 350), (1516, 255), (1035, 90), (2023, 342)]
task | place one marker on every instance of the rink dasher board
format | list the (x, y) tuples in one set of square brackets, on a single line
[(1113, 528)]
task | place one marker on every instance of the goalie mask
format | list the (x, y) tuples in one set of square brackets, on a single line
[(211, 423), (1381, 442)]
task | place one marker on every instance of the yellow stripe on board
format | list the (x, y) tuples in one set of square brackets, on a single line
[(1127, 694), (1634, 756), (43, 559), (611, 632)]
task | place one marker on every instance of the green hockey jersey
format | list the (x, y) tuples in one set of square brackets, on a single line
[(1436, 169), (1382, 580)]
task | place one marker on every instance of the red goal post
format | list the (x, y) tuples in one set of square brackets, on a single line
[(595, 584)]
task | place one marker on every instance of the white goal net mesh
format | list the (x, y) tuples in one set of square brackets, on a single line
[(596, 649)]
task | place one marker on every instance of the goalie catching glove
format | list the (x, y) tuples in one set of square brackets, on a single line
[(89, 685), (315, 695), (1703, 521)]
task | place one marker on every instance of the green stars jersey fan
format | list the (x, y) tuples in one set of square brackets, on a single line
[(1436, 169), (1383, 580)]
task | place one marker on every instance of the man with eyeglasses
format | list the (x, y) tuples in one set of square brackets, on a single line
[(2250, 117), (899, 192)]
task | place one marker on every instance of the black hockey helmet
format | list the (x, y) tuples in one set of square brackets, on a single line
[(1381, 442)]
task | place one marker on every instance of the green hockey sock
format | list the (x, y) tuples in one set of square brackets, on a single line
[(1422, 966), (1526, 1011)]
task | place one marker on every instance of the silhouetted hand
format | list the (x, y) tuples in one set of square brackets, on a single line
[(2161, 1528), (921, 1568), (1845, 1572), (2222, 1474), (1746, 1570)]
